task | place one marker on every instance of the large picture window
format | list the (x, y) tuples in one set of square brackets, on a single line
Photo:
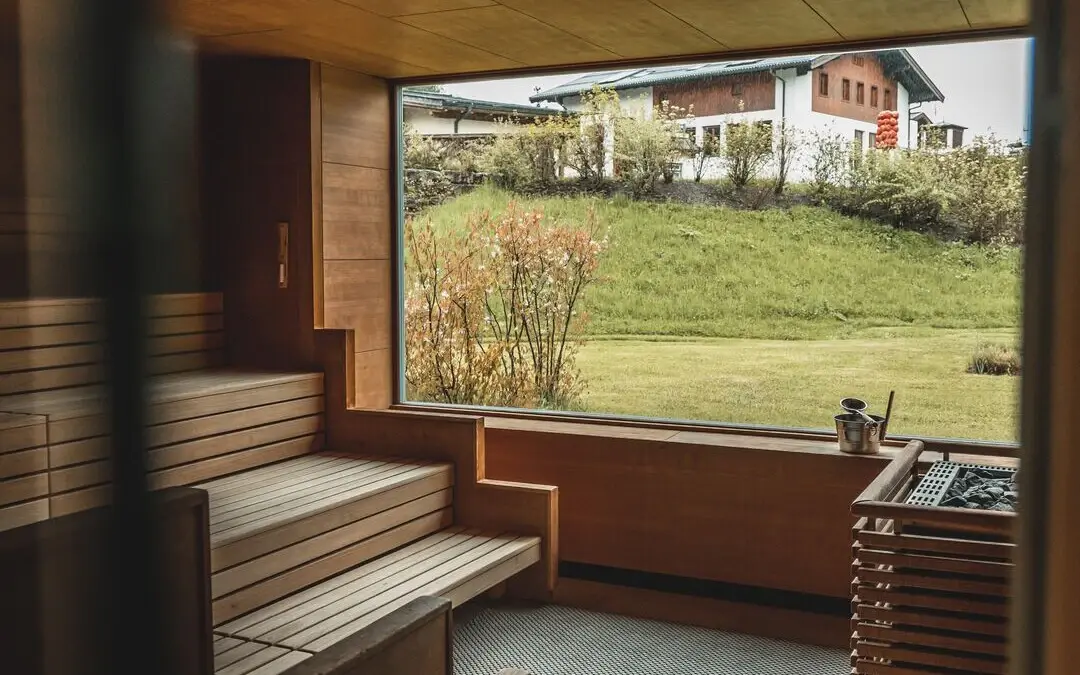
[(639, 243)]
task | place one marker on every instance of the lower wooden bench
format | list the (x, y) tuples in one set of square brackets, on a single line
[(234, 656), (457, 564)]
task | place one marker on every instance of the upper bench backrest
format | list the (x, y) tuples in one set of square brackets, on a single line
[(57, 343)]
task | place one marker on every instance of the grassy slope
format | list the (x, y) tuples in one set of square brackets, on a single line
[(806, 273)]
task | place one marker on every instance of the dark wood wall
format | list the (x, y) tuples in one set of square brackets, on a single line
[(871, 74), (357, 227), (255, 129), (44, 240), (721, 95)]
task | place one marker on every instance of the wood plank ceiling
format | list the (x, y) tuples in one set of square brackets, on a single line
[(417, 38)]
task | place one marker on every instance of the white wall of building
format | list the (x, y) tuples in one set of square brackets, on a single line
[(423, 122)]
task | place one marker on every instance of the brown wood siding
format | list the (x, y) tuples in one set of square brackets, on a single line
[(717, 96), (871, 74), (357, 225)]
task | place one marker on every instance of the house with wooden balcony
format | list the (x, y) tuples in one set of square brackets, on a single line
[(206, 461)]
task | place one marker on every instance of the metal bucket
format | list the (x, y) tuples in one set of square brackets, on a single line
[(858, 437)]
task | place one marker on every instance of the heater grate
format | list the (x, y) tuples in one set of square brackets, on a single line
[(933, 486)]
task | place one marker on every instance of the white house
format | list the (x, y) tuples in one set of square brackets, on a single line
[(838, 93), (443, 115)]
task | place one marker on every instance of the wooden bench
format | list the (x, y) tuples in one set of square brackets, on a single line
[(286, 526), (24, 465), (457, 564), (56, 344), (203, 423)]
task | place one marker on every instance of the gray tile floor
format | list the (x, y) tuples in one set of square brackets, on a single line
[(552, 640)]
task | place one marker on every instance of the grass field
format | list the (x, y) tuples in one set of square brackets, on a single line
[(783, 383), (771, 317)]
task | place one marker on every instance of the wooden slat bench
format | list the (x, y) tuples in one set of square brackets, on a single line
[(234, 656), (24, 464), (203, 423), (456, 564), (56, 344), (282, 527)]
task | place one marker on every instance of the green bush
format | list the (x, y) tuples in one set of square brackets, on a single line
[(994, 359), (746, 148), (646, 147), (975, 193)]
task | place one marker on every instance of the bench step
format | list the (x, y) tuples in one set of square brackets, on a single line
[(234, 656), (285, 526), (456, 563)]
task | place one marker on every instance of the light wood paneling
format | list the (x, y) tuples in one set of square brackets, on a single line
[(913, 17), (374, 379), (355, 234), (993, 13), (633, 28), (406, 7), (743, 25), (356, 213), (358, 296), (355, 119), (418, 37), (512, 34)]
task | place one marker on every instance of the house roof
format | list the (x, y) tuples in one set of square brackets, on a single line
[(446, 102), (898, 63), (945, 125)]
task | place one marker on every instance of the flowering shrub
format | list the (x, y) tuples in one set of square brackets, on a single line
[(492, 314)]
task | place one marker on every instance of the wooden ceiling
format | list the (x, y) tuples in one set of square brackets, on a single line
[(418, 38)]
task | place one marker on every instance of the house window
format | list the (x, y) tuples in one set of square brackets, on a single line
[(860, 93), (957, 138), (888, 100), (873, 96), (859, 138), (858, 60), (737, 89), (873, 140), (845, 89), (823, 84)]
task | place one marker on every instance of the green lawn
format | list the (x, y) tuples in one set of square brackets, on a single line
[(772, 317), (784, 383)]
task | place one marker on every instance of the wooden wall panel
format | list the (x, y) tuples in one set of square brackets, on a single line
[(256, 173), (355, 212), (871, 74), (706, 506), (356, 224), (722, 95)]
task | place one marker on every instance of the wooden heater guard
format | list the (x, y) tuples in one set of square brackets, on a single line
[(930, 593)]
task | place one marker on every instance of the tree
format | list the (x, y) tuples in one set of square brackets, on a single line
[(646, 146), (707, 149), (747, 148), (429, 88), (788, 145)]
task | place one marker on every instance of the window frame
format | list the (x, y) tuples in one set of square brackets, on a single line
[(860, 138), (529, 415), (874, 98), (845, 90), (886, 104), (860, 93)]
